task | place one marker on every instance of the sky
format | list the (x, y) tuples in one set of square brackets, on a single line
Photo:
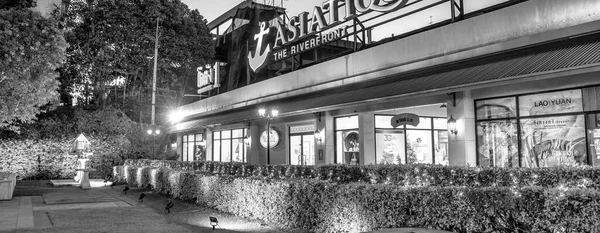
[(212, 9)]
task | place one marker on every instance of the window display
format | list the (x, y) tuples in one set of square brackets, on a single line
[(553, 141), (194, 147), (411, 144), (497, 143), (496, 108), (389, 147), (347, 140), (548, 131)]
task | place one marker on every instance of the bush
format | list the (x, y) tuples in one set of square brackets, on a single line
[(402, 175), (324, 206)]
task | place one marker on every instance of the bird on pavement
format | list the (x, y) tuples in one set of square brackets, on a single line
[(114, 183), (125, 189), (169, 206), (142, 197)]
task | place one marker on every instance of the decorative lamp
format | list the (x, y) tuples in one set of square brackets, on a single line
[(452, 125)]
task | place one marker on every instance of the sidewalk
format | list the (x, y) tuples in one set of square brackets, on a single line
[(71, 209)]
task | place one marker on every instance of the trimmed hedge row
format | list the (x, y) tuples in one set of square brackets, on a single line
[(403, 175), (324, 206)]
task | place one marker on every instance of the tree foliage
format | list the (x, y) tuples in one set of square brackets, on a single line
[(7, 4), (31, 50), (115, 40)]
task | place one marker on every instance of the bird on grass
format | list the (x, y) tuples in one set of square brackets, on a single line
[(169, 206), (125, 190), (142, 197), (114, 183)]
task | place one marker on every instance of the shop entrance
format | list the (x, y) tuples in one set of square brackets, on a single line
[(302, 149)]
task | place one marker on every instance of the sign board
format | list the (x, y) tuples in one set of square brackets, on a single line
[(273, 138), (405, 119), (307, 31), (208, 78)]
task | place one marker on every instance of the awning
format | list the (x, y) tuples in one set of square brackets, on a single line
[(556, 56)]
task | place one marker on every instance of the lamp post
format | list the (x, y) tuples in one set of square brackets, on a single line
[(153, 132), (268, 117)]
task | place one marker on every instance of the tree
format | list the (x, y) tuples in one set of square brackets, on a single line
[(115, 39), (31, 49), (8, 4)]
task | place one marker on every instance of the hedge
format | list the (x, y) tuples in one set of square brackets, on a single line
[(402, 175), (325, 206)]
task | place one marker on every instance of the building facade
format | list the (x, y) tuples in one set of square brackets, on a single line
[(513, 84)]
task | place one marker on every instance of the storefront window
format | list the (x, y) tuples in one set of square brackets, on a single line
[(553, 141), (229, 145), (347, 140), (496, 108), (552, 130), (497, 143), (423, 143), (594, 137), (194, 147), (302, 145)]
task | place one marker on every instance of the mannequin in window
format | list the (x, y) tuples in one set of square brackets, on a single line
[(199, 156)]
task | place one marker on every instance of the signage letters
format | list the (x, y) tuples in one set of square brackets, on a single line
[(208, 78), (310, 27), (405, 119)]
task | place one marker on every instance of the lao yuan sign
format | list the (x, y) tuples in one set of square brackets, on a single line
[(405, 119), (308, 27)]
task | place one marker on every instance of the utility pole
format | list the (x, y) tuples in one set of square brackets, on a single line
[(154, 75)]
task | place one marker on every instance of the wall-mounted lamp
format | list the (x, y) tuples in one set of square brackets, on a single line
[(452, 125), (318, 136)]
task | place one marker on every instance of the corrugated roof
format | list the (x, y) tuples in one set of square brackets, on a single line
[(517, 63)]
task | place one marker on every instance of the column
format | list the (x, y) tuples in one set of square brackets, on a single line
[(462, 147)]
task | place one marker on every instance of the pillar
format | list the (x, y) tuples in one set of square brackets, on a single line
[(462, 148)]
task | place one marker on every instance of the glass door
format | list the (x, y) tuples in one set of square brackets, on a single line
[(302, 149)]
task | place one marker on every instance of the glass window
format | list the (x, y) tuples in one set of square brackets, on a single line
[(440, 123), (424, 123), (217, 135), (551, 103), (193, 147), (347, 140), (553, 141), (226, 134), (230, 146), (383, 122), (496, 108), (389, 147), (440, 138), (418, 146), (497, 143), (349, 122), (226, 150)]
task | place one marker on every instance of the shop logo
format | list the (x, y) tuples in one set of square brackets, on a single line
[(258, 59)]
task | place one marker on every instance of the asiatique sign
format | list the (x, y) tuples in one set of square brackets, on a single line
[(310, 28)]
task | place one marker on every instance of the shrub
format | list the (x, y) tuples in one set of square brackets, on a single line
[(403, 175), (324, 206)]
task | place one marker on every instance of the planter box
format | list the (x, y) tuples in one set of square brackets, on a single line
[(8, 181)]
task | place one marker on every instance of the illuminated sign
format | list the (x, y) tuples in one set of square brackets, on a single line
[(273, 138), (310, 27), (208, 78)]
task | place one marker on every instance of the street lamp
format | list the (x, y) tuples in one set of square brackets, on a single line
[(268, 117), (153, 132)]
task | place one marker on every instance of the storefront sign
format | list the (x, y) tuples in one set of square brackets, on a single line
[(405, 119), (551, 103), (306, 26), (208, 78), (273, 138)]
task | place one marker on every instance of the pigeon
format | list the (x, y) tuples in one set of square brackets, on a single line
[(125, 189), (169, 206), (114, 183), (142, 197)]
